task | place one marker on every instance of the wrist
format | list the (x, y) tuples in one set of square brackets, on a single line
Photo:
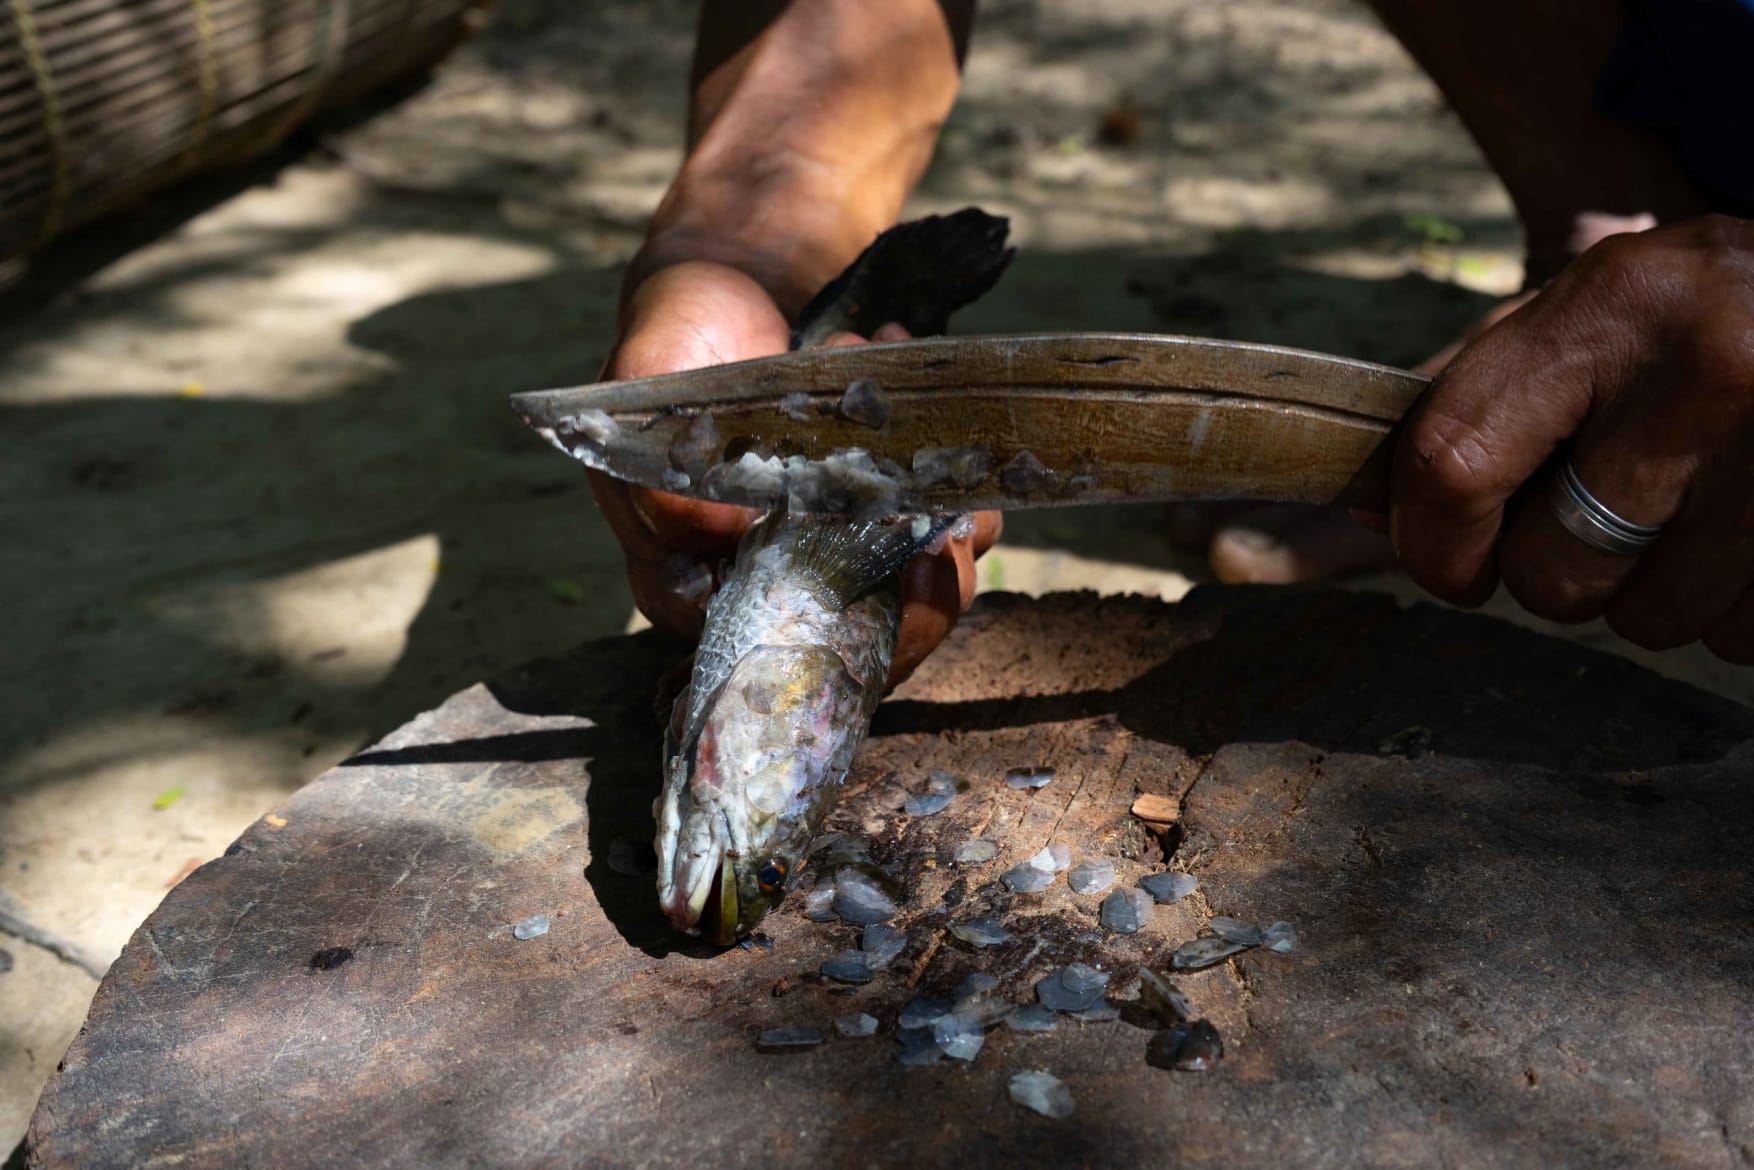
[(790, 226), (806, 142)]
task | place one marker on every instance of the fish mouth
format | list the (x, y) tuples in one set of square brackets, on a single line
[(719, 916), (708, 903)]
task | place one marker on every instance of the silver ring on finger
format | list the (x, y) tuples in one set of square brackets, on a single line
[(1592, 521)]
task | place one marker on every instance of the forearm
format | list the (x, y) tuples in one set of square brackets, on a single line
[(806, 135)]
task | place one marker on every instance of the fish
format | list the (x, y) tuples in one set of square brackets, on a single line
[(797, 642)]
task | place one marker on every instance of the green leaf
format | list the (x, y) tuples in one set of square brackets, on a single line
[(168, 797), (1433, 229), (565, 591)]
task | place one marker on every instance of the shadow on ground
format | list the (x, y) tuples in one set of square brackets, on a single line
[(263, 487)]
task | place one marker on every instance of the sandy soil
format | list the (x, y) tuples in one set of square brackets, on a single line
[(263, 500)]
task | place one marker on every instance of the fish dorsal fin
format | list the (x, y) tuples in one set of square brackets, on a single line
[(842, 560), (915, 274)]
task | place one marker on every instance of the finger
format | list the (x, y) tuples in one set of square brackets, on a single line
[(930, 604), (961, 554), (1487, 423), (845, 337), (936, 589), (1639, 453), (630, 528), (705, 529), (671, 592), (1685, 585), (1620, 459), (650, 525), (1731, 638), (692, 315), (988, 527), (1549, 571)]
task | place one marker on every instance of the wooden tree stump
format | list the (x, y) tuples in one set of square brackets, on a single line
[(1519, 870)]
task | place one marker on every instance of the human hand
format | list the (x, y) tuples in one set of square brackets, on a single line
[(700, 313), (1637, 363)]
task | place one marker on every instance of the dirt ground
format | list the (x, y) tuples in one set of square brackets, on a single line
[(263, 500)]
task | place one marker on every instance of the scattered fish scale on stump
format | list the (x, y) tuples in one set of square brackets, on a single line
[(1192, 1046), (856, 1024), (927, 804), (1100, 1012), (1071, 989), (1027, 879), (783, 1040), (532, 927), (1054, 858), (1043, 1092), (1205, 952), (819, 904), (1162, 998), (980, 932), (1613, 774), (960, 1035), (975, 852), (850, 967), (973, 987), (883, 943), (1039, 777), (859, 899), (1236, 930), (923, 1011), (1033, 1017), (944, 783), (1169, 887), (1091, 876), (1127, 911)]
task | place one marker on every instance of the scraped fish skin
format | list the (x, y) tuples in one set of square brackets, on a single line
[(791, 666), (797, 642)]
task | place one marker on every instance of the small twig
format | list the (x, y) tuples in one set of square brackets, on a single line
[(924, 960)]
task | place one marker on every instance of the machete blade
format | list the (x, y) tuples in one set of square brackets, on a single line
[(1024, 421)]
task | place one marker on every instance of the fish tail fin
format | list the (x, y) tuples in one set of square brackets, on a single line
[(845, 561), (915, 274)]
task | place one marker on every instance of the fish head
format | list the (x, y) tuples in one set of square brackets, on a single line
[(747, 787)]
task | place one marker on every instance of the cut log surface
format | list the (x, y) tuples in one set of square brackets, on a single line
[(1518, 871)]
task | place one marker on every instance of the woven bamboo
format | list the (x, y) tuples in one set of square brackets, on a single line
[(104, 101)]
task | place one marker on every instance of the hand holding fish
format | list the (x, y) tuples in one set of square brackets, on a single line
[(700, 313)]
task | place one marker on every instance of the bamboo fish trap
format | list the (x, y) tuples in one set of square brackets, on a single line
[(104, 101)]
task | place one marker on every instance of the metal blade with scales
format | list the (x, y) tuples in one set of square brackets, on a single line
[(1015, 421)]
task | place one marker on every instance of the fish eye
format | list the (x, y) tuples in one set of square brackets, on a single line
[(772, 875)]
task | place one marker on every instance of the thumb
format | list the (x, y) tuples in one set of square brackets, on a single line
[(695, 314)]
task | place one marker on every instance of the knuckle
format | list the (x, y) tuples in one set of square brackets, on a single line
[(1636, 269), (1448, 462), (1722, 234)]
